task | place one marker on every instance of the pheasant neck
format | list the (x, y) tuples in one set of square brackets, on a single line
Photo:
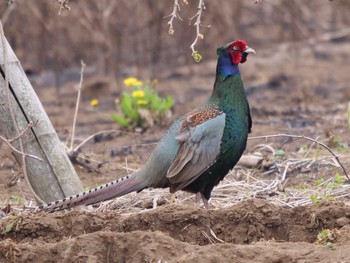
[(229, 93), (225, 67)]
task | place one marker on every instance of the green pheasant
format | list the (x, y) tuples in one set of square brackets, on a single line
[(199, 149)]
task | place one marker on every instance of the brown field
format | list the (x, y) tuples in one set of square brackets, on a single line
[(296, 84)]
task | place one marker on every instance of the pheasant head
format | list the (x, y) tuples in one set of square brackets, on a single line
[(230, 55)]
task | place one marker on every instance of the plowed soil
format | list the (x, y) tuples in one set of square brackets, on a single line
[(305, 95), (252, 231)]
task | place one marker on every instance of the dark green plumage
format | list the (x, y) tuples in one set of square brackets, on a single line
[(199, 149), (230, 96)]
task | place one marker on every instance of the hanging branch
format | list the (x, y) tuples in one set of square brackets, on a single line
[(305, 138), (197, 57), (174, 14)]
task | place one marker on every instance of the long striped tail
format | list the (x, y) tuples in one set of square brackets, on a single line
[(120, 187)]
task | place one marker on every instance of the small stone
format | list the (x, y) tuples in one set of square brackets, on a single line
[(342, 221)]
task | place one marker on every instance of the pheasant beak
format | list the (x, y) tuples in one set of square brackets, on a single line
[(246, 53), (249, 50)]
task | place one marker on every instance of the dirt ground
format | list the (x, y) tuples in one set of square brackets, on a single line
[(299, 89)]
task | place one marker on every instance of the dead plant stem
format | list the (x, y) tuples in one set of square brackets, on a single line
[(77, 105), (305, 138)]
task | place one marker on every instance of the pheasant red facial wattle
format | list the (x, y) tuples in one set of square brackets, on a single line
[(239, 50)]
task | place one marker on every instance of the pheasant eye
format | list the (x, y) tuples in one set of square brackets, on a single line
[(235, 48)]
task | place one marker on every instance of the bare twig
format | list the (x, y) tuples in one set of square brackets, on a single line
[(174, 14), (17, 151), (9, 9), (284, 175), (95, 134), (83, 162), (77, 105), (30, 125), (308, 151), (231, 191), (197, 24), (306, 138), (64, 5), (71, 151), (214, 235)]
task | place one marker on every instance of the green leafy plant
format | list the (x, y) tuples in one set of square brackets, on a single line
[(336, 182), (319, 182), (8, 228), (326, 197), (11, 224), (14, 199), (280, 153), (327, 237), (302, 187), (314, 199), (339, 179), (303, 149), (323, 234), (142, 106), (339, 143)]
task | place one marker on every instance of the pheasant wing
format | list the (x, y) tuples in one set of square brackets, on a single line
[(199, 148)]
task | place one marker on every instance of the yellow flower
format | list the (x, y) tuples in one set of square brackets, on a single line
[(142, 102), (138, 94), (138, 83), (132, 82), (94, 102)]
